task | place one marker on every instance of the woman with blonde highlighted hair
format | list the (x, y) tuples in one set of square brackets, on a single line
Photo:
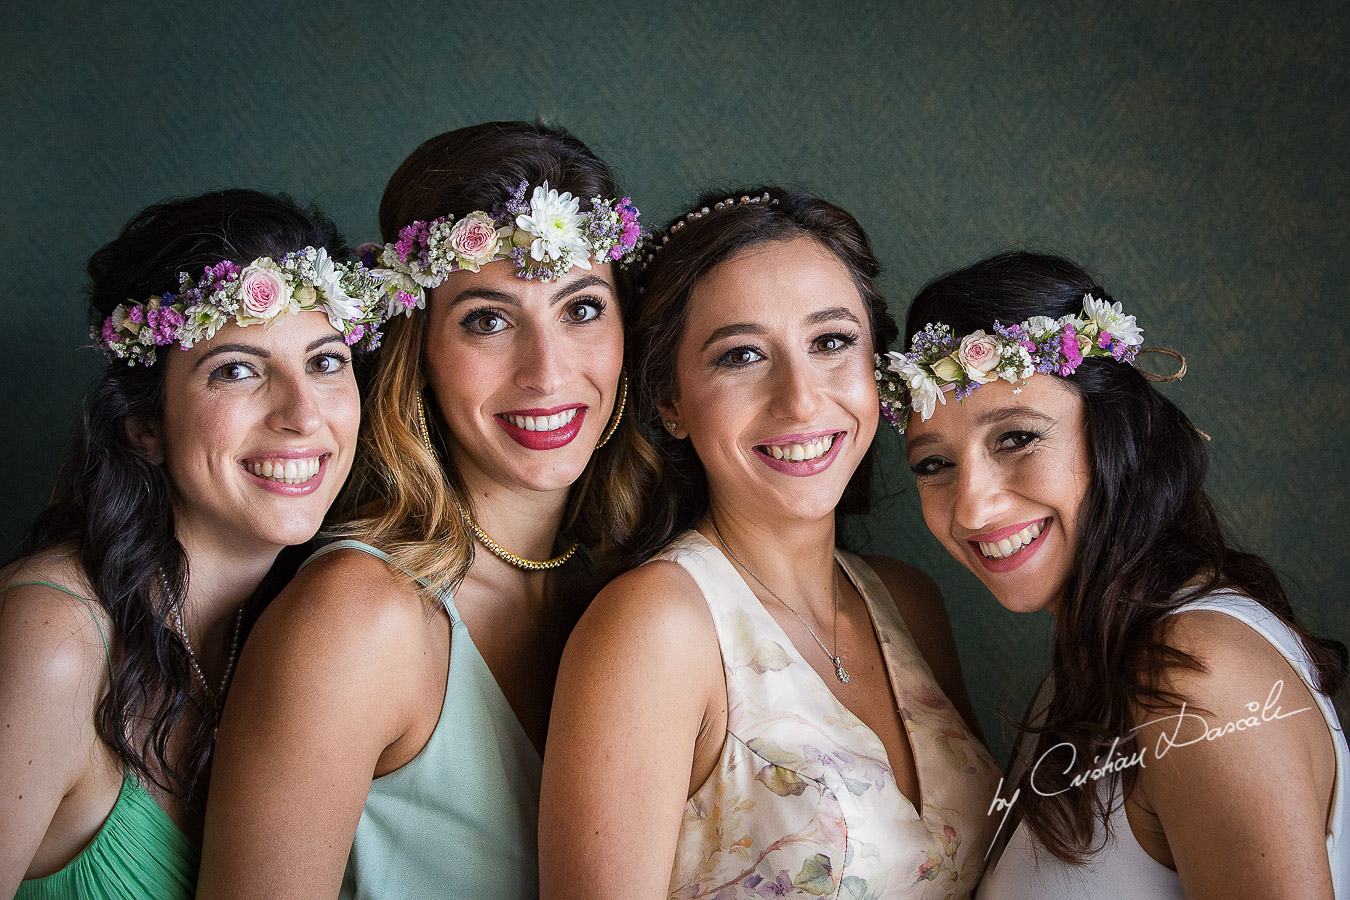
[(392, 708)]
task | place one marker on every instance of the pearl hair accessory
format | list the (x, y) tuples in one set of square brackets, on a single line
[(695, 215)]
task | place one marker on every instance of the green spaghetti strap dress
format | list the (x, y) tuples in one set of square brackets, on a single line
[(137, 854)]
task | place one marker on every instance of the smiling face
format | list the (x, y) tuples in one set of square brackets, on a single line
[(258, 432), (773, 380), (525, 372), (1001, 479)]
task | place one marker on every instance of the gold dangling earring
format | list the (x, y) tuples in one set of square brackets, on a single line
[(618, 411), (422, 425)]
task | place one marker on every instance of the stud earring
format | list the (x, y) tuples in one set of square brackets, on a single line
[(671, 425)]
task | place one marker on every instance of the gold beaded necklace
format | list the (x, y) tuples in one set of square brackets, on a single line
[(496, 549)]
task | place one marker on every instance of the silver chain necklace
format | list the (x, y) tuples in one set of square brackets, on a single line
[(839, 671), (217, 698)]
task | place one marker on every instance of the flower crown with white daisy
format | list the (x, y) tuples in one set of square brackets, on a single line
[(938, 362), (256, 294), (544, 238)]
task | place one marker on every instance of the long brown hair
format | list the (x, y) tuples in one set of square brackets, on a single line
[(724, 224), (403, 498), (1146, 529)]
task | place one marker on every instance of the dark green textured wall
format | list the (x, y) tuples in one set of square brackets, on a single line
[(1191, 153)]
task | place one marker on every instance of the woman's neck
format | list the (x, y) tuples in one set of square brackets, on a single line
[(792, 558), (219, 582)]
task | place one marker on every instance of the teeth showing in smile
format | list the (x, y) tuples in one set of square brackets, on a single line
[(543, 423), (285, 471), (1010, 545), (800, 452)]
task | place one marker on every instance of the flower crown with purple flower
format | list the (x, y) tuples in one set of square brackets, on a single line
[(544, 238), (938, 362), (256, 294)]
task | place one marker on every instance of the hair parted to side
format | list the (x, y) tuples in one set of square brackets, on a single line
[(113, 505), (724, 224), (403, 498), (1146, 529)]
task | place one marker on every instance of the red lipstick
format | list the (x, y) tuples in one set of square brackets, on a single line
[(543, 440)]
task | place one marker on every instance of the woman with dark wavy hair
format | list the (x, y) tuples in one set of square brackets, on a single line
[(1184, 743), (208, 446), (386, 733), (755, 712)]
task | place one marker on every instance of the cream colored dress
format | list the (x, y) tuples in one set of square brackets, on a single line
[(802, 802)]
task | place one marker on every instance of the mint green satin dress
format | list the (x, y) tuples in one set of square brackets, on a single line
[(461, 819)]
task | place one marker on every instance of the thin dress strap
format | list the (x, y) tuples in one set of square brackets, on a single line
[(446, 597), (107, 654)]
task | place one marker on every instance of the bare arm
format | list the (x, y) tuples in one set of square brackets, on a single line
[(925, 614), (320, 696), (52, 673), (1244, 814), (638, 678)]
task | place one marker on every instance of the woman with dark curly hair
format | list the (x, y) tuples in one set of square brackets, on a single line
[(209, 445)]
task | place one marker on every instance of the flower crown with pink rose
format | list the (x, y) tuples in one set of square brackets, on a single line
[(938, 362), (256, 294), (544, 238)]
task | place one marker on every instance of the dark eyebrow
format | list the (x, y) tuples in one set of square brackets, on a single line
[(329, 339), (481, 293), (993, 417), (235, 348), (1012, 412), (833, 314), (729, 330), (506, 297), (583, 283)]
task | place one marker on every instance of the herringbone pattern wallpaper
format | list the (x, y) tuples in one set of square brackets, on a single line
[(1192, 153)]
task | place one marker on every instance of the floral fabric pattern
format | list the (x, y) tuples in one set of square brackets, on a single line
[(803, 802)]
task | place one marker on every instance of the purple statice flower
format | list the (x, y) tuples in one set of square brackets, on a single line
[(354, 335), (136, 314), (411, 238), (1015, 333), (109, 334), (1127, 352), (513, 206), (407, 298), (965, 390), (164, 323)]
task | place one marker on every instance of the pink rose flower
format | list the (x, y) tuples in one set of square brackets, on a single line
[(474, 240), (262, 290), (979, 356)]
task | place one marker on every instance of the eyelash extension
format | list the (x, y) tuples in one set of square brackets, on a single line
[(600, 307), (215, 373), (849, 339), (480, 313)]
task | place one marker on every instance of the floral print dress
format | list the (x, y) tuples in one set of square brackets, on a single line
[(802, 802)]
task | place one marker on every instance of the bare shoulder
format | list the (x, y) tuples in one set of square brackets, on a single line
[(657, 606), (342, 598), (912, 589), (1239, 667), (50, 640)]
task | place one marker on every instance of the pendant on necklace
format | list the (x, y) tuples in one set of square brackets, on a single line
[(839, 670)]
